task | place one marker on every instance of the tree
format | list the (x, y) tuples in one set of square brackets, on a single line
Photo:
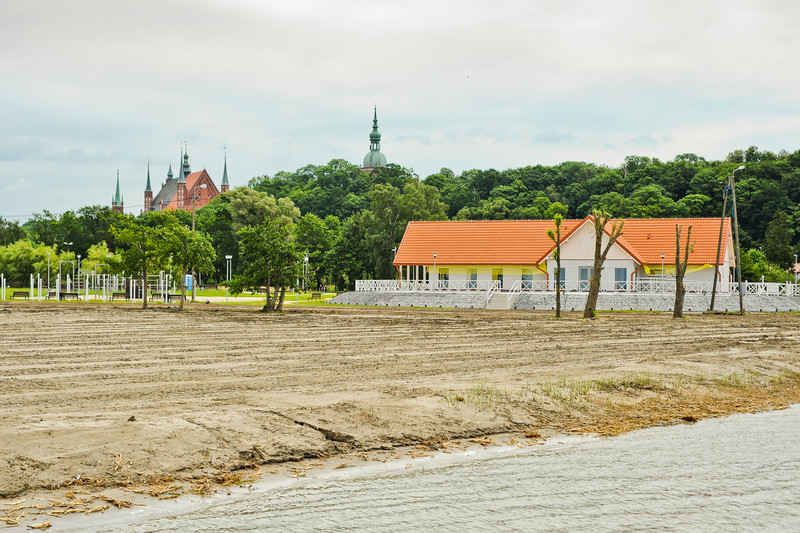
[(555, 236), (777, 242), (250, 208), (601, 219), (271, 260), (348, 260), (680, 268), (184, 247), (389, 215), (139, 251), (316, 238), (11, 231)]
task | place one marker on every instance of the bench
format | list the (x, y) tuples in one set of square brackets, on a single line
[(20, 294), (316, 296), (51, 294), (173, 297), (115, 295), (73, 295)]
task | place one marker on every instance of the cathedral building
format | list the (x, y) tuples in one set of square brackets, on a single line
[(176, 192)]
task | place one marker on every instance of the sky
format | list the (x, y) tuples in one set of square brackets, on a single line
[(89, 89)]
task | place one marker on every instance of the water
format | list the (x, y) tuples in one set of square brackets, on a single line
[(732, 474)]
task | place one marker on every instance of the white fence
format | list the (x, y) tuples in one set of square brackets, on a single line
[(649, 286)]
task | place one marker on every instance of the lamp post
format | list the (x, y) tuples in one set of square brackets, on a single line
[(433, 278), (795, 269), (68, 244), (78, 289), (194, 203), (736, 235), (48, 273), (305, 270), (662, 271), (227, 274)]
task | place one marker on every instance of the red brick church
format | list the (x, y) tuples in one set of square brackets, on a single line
[(176, 192)]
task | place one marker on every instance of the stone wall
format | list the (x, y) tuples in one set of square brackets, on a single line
[(572, 301)]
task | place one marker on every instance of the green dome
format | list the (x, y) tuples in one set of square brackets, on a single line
[(374, 159)]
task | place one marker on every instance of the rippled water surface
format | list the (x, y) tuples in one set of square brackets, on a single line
[(734, 474)]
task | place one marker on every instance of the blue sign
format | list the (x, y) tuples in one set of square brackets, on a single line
[(188, 282)]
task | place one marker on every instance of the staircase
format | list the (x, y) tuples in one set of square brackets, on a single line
[(498, 300)]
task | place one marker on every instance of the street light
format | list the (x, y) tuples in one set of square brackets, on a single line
[(736, 234), (227, 274), (305, 270), (194, 201), (68, 244), (662, 271), (48, 273), (79, 273)]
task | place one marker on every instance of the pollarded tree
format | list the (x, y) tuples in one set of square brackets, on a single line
[(680, 268), (271, 260), (555, 236), (601, 220)]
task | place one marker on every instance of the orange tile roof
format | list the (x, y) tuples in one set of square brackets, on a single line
[(525, 242), (651, 237), (477, 242)]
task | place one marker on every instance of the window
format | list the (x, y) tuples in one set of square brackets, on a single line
[(527, 279), (472, 278), (585, 278), (621, 279), (563, 277)]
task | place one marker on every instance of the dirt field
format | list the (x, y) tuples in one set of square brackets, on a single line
[(93, 397)]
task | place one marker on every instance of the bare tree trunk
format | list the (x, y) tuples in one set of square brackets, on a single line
[(590, 311), (601, 219), (680, 269), (556, 237), (183, 286), (279, 307), (144, 288)]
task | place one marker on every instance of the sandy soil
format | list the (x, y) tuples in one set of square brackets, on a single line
[(97, 396)]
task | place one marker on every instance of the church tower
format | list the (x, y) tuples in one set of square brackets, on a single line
[(223, 187), (374, 158), (148, 191), (116, 202)]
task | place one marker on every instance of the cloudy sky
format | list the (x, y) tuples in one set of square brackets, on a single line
[(90, 88)]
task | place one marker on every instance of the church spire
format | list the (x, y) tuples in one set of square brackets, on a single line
[(224, 186), (148, 188), (116, 203), (374, 158), (117, 198), (186, 169)]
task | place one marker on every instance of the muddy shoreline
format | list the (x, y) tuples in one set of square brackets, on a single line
[(109, 400)]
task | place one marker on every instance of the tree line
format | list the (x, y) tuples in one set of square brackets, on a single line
[(348, 223)]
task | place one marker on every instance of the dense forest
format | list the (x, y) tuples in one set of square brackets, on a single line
[(348, 222)]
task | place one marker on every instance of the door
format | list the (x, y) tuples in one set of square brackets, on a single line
[(497, 275)]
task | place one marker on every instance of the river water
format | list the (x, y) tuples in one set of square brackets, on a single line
[(738, 473)]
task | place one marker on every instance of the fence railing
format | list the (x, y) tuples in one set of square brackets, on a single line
[(647, 286)]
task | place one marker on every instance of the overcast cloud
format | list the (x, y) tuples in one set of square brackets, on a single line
[(88, 88)]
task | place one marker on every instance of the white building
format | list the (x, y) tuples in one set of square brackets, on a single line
[(518, 254)]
